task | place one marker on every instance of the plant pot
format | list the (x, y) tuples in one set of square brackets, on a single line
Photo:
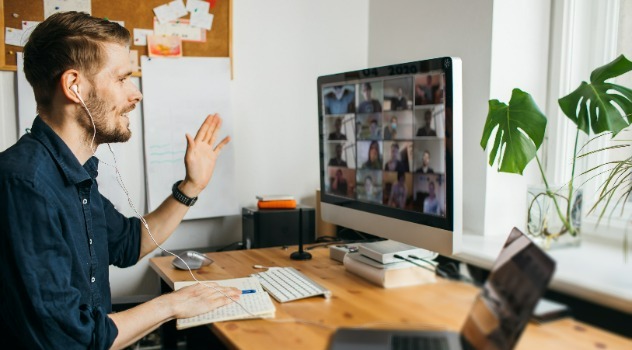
[(546, 220)]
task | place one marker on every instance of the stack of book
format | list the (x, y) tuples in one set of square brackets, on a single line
[(276, 202), (376, 263)]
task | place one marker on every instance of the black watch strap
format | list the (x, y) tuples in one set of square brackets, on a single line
[(181, 197)]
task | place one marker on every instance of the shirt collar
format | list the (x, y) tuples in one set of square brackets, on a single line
[(70, 167)]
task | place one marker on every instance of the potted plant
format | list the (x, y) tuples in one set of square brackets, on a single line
[(598, 108)]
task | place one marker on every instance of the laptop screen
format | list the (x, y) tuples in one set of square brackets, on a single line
[(516, 282)]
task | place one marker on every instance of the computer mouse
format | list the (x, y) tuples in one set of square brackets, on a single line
[(194, 259)]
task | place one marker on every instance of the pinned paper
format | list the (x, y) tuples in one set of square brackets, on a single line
[(164, 14), (171, 11), (197, 6), (27, 29), (140, 36), (121, 23), (212, 2), (180, 28), (14, 36), (54, 6), (164, 46), (202, 20)]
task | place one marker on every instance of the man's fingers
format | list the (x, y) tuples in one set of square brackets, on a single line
[(221, 145), (204, 129), (213, 122)]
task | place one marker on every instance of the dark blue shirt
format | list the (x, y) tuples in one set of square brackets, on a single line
[(58, 235)]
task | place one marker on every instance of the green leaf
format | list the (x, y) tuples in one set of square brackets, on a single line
[(519, 128), (592, 106)]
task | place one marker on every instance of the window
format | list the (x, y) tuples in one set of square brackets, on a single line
[(585, 35)]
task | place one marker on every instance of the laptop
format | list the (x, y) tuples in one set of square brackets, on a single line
[(499, 315)]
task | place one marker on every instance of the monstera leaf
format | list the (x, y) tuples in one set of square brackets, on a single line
[(519, 127), (592, 106)]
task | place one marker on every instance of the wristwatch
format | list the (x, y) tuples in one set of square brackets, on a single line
[(181, 197)]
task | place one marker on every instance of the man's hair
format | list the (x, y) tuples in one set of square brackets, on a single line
[(67, 40)]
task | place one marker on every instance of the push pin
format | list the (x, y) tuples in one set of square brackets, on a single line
[(15, 15)]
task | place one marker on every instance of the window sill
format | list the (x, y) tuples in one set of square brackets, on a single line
[(594, 271)]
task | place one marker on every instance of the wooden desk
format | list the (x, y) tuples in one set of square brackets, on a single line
[(356, 302)]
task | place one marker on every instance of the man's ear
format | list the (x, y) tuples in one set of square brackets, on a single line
[(70, 85)]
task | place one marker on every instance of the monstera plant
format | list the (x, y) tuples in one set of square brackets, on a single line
[(599, 108)]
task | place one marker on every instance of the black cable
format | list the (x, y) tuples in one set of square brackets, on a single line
[(441, 270), (397, 256)]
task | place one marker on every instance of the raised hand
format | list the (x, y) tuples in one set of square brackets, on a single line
[(201, 155)]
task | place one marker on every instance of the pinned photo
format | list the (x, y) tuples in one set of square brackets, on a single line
[(164, 46)]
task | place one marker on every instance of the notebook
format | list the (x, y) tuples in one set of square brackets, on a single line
[(499, 315), (258, 303)]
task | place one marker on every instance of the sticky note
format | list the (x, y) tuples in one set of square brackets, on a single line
[(164, 14), (178, 8)]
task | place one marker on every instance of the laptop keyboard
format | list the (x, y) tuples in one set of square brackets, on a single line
[(411, 342)]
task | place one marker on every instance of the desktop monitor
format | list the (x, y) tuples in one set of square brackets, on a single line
[(391, 153)]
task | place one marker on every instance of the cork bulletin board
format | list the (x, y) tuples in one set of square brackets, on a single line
[(134, 14)]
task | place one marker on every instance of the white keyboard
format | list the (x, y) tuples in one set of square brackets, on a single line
[(288, 284)]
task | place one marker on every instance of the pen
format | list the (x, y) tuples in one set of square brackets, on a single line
[(248, 291)]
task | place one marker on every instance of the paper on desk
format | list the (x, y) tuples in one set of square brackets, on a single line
[(252, 305)]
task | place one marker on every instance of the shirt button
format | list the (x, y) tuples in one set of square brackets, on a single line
[(93, 279), (90, 241), (85, 201)]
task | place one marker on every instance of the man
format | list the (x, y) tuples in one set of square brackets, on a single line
[(337, 134), (425, 164), (431, 203), (340, 101), (337, 160), (369, 105), (427, 129), (59, 234), (390, 131), (339, 185)]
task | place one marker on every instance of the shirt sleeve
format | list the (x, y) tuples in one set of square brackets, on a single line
[(123, 236), (39, 306)]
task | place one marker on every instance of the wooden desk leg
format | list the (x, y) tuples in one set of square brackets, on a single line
[(168, 331)]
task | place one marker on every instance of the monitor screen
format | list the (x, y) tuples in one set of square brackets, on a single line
[(390, 152)]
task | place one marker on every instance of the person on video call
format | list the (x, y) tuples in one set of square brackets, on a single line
[(339, 184), (369, 104), (375, 159), (337, 133), (395, 164), (390, 131), (397, 197), (59, 234), (399, 102), (370, 191), (424, 92), (339, 101), (427, 129), (431, 203), (374, 130), (425, 164), (337, 159)]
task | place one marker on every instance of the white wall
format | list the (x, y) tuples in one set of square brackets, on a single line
[(280, 48), (407, 30)]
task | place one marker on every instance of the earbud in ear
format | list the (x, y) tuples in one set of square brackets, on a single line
[(75, 89)]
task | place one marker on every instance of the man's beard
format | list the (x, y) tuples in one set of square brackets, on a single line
[(99, 110)]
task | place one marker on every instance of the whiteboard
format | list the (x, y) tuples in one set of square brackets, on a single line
[(178, 95)]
